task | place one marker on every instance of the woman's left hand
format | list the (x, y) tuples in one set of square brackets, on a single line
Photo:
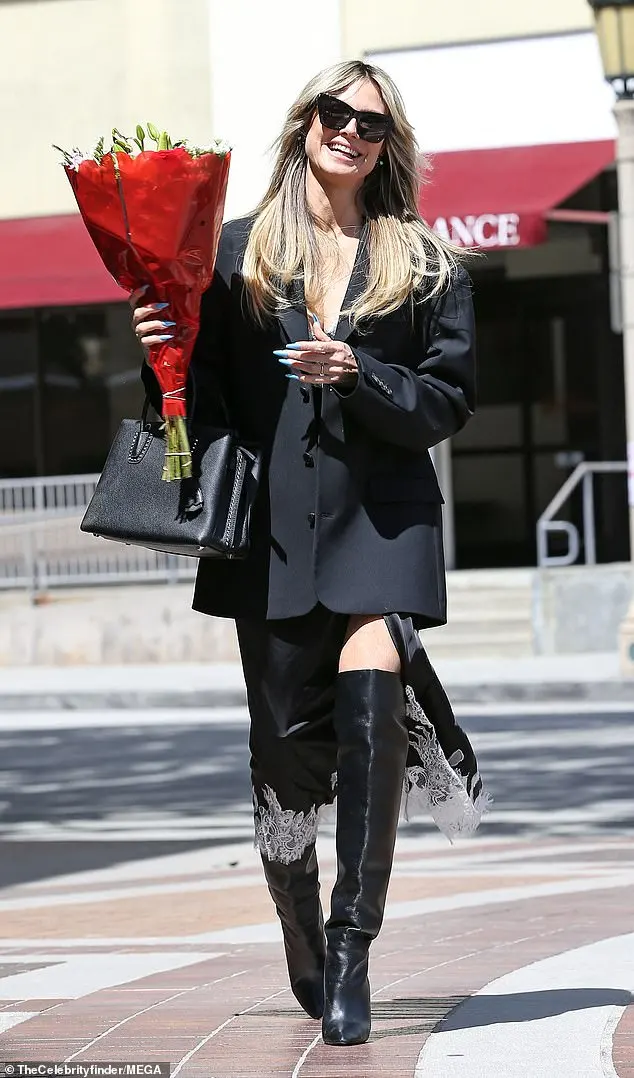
[(321, 361)]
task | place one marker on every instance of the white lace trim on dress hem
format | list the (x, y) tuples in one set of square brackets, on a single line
[(431, 787), (282, 834)]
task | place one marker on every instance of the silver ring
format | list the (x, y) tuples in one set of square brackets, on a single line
[(321, 370)]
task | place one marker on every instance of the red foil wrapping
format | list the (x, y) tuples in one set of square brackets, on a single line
[(155, 219)]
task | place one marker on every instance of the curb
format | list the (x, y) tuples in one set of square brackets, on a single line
[(129, 699), (544, 692), (460, 694)]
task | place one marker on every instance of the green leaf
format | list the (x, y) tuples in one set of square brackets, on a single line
[(153, 132), (163, 142), (140, 134)]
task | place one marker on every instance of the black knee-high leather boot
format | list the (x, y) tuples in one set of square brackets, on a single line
[(372, 744), (294, 889)]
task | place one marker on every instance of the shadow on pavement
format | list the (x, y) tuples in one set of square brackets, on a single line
[(73, 800), (489, 1010), (85, 798)]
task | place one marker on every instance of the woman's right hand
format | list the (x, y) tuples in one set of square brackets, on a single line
[(151, 322)]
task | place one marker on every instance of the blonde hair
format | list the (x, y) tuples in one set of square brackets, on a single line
[(406, 258)]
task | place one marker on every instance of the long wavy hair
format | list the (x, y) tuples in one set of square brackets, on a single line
[(406, 259)]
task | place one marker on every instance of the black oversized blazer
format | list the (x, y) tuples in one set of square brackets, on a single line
[(349, 509)]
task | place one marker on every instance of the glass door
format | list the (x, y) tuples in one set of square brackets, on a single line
[(540, 406)]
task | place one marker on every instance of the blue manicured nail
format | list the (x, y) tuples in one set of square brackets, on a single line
[(288, 362), (159, 306), (294, 347), (166, 324), (315, 319), (166, 337), (295, 376), (279, 352)]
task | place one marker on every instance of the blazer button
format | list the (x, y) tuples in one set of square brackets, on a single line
[(311, 519), (308, 460)]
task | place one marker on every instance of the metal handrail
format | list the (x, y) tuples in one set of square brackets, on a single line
[(49, 480), (583, 473), (30, 527), (13, 523), (45, 493), (42, 546)]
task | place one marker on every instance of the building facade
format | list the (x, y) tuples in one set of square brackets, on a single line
[(510, 105)]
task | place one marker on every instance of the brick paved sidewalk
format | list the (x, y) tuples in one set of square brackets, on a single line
[(181, 960)]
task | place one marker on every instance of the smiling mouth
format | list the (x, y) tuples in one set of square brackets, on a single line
[(343, 151)]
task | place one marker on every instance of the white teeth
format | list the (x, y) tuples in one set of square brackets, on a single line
[(344, 150)]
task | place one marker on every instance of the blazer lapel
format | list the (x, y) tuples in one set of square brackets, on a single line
[(293, 319), (356, 284)]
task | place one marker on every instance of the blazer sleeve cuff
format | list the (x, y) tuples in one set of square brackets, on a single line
[(372, 377)]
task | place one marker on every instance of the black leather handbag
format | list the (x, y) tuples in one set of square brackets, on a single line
[(206, 516)]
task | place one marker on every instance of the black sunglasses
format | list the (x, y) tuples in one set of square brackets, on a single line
[(336, 114)]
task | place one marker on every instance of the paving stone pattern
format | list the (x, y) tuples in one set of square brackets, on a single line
[(186, 965)]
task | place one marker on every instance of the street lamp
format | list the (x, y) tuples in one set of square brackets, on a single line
[(614, 20)]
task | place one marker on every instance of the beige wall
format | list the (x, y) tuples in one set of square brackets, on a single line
[(255, 77), (376, 25), (73, 68)]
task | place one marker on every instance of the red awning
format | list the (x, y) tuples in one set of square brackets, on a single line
[(51, 262), (501, 198), (489, 198)]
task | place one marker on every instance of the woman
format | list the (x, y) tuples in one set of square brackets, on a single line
[(339, 331)]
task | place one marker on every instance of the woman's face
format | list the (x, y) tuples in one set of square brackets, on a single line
[(341, 156)]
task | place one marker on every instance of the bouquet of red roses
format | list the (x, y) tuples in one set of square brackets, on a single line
[(155, 216)]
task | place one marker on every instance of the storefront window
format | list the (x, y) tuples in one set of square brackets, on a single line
[(542, 407), (18, 395), (67, 378)]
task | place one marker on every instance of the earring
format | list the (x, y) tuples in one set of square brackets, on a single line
[(380, 162)]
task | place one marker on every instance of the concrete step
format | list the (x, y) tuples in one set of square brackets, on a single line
[(489, 614), (485, 604), (494, 650), (489, 579), (478, 594), (487, 650), (491, 628), (456, 643)]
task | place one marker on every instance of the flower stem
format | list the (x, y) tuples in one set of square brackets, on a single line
[(178, 458)]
